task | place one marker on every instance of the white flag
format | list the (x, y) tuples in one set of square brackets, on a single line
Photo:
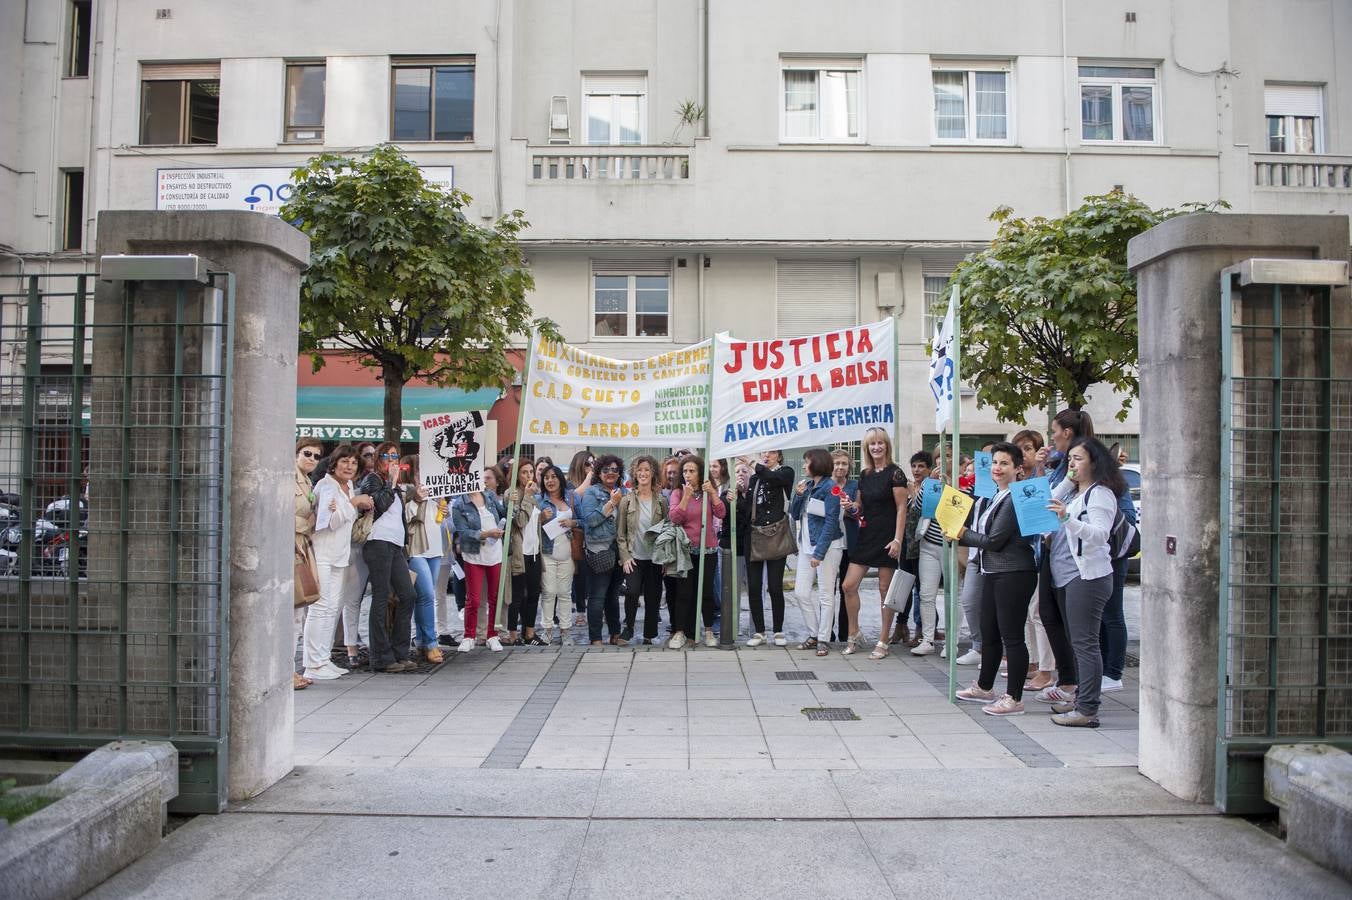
[(941, 367)]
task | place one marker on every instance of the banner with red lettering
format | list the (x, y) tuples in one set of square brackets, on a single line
[(803, 392)]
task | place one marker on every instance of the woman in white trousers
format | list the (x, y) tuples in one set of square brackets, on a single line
[(336, 509), (821, 541)]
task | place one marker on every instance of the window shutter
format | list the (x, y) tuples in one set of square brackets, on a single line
[(631, 266), (814, 296), (1293, 100), (207, 71), (615, 83)]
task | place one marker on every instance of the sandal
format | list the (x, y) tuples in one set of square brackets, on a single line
[(823, 649), (880, 651), (852, 645), (809, 644), (299, 682)]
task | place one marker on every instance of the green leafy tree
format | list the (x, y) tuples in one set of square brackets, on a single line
[(1049, 309), (400, 276)]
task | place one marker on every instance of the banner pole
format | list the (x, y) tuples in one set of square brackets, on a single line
[(951, 581), (703, 502), (503, 575)]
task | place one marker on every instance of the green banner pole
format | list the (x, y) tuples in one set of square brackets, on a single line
[(951, 577), (505, 572), (704, 501)]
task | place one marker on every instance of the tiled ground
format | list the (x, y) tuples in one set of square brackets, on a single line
[(653, 708)]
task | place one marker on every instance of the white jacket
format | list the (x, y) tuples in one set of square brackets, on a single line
[(1088, 526), (333, 530)]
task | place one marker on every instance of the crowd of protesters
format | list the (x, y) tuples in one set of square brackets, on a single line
[(1046, 610)]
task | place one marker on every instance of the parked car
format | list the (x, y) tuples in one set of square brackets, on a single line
[(1132, 473)]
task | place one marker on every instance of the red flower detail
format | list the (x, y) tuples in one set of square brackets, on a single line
[(836, 490), (403, 467)]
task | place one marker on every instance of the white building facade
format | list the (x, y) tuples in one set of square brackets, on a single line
[(834, 163)]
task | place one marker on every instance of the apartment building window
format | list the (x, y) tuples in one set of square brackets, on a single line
[(616, 107), (821, 100), (815, 295), (433, 100), (180, 103), (631, 298), (1295, 115), (1118, 104), (78, 38), (936, 304), (305, 101), (971, 105), (72, 210)]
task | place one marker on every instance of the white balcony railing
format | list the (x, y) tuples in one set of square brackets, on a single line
[(573, 163), (1290, 170)]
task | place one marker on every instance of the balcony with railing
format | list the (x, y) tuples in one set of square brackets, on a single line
[(1302, 171), (610, 165)]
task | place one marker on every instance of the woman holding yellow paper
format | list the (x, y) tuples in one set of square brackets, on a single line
[(1008, 576)]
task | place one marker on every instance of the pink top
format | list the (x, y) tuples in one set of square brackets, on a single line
[(687, 515)]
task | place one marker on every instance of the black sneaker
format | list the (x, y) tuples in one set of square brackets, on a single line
[(448, 640), (627, 634)]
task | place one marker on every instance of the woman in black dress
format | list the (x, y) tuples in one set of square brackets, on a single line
[(880, 507)]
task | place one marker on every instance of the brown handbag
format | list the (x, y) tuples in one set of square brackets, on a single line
[(774, 541), (306, 584), (579, 545)]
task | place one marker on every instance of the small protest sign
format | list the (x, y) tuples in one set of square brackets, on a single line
[(931, 489), (451, 452), (1031, 497), (985, 484), (952, 512)]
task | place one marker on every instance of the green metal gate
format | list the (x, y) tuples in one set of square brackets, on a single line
[(114, 449), (1285, 673)]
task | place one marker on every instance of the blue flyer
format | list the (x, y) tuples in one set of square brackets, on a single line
[(1031, 497), (985, 485), (930, 492)]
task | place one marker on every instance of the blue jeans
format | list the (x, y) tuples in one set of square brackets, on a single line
[(603, 595), (425, 608), (1113, 629)]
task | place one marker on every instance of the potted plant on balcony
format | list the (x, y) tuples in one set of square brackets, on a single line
[(687, 115)]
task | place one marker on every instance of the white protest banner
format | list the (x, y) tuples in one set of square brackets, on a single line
[(576, 397), (451, 452), (802, 392)]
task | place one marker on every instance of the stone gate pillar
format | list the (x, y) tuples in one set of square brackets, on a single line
[(266, 255), (1178, 267)]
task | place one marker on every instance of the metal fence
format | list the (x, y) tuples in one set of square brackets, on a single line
[(1286, 529), (114, 442)]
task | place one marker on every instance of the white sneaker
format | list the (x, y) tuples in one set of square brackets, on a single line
[(338, 671), (924, 648), (466, 645), (677, 641), (709, 639), (319, 674), (943, 652), (780, 640), (565, 638), (970, 658), (494, 644), (1055, 694), (756, 640), (1110, 685)]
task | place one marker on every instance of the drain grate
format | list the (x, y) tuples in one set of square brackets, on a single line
[(796, 675), (849, 685), (830, 714)]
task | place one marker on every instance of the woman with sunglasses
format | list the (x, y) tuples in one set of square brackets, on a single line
[(600, 527), (480, 521), (388, 567), (336, 509), (308, 451)]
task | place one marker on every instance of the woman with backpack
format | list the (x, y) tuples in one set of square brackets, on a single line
[(1082, 568)]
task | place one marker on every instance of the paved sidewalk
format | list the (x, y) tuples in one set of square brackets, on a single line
[(704, 708)]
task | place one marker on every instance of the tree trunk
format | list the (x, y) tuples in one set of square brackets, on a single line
[(393, 376)]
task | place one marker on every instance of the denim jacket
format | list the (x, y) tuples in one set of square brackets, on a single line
[(821, 530), (466, 523), (599, 528), (546, 542)]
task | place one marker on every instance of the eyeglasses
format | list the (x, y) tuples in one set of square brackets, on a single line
[(611, 470), (309, 454), (389, 456)]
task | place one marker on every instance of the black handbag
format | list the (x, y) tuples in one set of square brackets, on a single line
[(601, 561), (774, 541)]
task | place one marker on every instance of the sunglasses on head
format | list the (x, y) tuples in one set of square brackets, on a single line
[(309, 454)]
